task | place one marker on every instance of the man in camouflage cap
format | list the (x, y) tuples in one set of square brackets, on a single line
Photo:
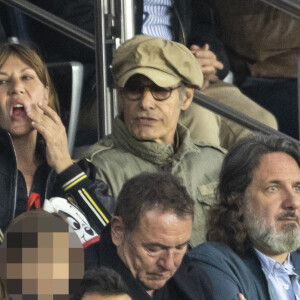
[(155, 80)]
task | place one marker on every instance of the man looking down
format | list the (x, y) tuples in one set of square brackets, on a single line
[(147, 239)]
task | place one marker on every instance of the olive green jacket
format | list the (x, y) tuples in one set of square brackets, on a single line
[(120, 156)]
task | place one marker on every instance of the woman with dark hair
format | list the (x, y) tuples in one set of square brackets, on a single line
[(34, 160)]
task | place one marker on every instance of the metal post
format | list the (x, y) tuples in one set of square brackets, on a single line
[(114, 23), (103, 105), (128, 19)]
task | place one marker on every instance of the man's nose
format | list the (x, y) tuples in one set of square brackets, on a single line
[(291, 199), (167, 260), (147, 101)]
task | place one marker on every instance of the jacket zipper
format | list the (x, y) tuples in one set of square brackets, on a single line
[(47, 182), (16, 176)]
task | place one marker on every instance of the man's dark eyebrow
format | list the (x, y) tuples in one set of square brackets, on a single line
[(183, 244), (279, 181)]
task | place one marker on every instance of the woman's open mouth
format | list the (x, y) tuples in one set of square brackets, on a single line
[(18, 111)]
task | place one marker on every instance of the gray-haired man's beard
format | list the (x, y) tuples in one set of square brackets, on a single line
[(265, 235)]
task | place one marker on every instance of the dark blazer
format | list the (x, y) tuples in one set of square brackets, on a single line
[(231, 274)]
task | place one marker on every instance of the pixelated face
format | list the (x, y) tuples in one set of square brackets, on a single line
[(153, 251), (38, 264), (95, 296), (149, 119)]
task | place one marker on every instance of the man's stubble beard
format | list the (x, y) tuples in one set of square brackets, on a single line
[(266, 236)]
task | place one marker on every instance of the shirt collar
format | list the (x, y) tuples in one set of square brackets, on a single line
[(270, 265)]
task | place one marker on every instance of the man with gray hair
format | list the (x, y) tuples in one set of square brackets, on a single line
[(256, 227), (155, 80)]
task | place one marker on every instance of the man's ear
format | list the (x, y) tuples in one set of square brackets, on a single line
[(188, 98), (117, 230)]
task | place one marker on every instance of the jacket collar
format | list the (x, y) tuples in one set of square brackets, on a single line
[(295, 257)]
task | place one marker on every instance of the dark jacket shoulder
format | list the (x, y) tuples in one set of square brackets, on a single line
[(231, 274)]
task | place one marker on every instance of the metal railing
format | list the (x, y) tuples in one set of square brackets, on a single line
[(53, 21), (236, 116), (113, 25), (292, 7), (104, 19)]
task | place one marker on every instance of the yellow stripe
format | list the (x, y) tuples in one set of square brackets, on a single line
[(95, 205), (75, 182)]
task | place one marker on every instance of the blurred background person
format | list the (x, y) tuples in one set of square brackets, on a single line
[(263, 45)]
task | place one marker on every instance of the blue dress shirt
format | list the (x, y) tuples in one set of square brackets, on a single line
[(157, 18), (282, 280)]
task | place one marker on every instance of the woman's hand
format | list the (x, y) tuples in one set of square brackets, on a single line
[(47, 122)]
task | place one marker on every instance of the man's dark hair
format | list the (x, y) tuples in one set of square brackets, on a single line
[(226, 219), (103, 281), (152, 190)]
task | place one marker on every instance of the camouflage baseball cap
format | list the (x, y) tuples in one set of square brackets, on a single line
[(163, 62)]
